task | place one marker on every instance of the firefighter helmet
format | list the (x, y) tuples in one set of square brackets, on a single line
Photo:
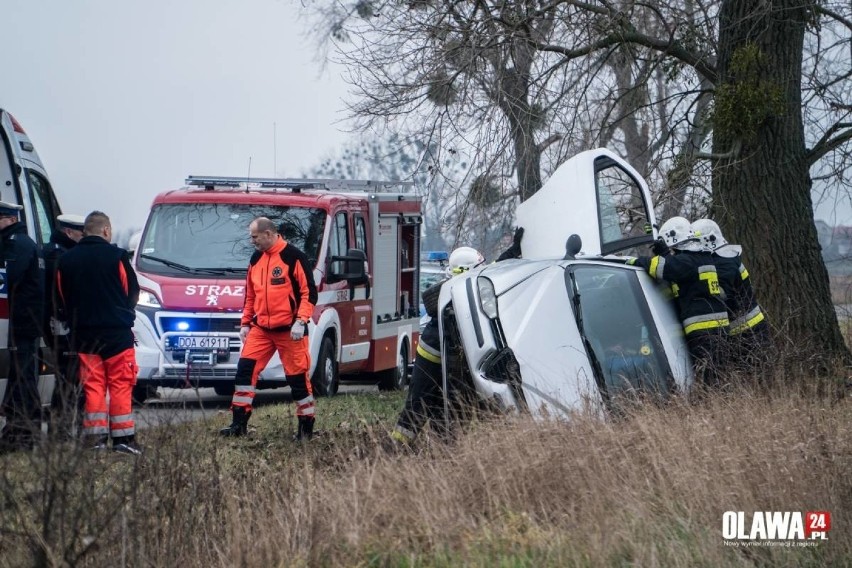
[(464, 258), (677, 234), (710, 236)]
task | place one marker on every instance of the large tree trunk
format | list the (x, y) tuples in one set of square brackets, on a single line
[(762, 193)]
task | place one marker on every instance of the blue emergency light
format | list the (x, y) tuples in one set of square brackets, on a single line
[(437, 256), (182, 325)]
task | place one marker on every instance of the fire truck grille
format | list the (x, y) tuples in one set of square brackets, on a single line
[(200, 373), (200, 324)]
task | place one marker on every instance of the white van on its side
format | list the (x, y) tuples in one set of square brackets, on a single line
[(24, 181)]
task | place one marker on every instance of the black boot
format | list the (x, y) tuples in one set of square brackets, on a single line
[(239, 426), (306, 429)]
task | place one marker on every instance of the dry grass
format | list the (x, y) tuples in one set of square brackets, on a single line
[(647, 490)]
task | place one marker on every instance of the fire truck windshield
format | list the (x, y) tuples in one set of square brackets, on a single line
[(213, 237)]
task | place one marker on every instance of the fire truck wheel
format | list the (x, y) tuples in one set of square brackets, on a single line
[(226, 389), (325, 380), (396, 378)]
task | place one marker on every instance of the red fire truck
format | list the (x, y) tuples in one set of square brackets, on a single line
[(362, 237)]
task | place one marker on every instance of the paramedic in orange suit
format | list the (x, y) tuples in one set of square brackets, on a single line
[(280, 299), (99, 291)]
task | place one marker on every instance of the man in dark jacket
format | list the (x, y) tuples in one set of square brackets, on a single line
[(24, 287), (99, 291), (66, 395)]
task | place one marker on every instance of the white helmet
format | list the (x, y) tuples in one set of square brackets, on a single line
[(464, 258), (677, 234), (710, 236)]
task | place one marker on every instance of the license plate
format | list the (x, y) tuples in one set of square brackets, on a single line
[(200, 342)]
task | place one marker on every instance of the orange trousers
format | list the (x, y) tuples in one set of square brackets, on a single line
[(116, 376), (258, 349)]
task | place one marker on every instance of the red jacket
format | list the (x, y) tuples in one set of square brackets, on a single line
[(279, 288)]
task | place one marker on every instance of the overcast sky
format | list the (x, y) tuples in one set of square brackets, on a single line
[(124, 99)]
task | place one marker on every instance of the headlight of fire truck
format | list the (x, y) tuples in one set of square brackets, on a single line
[(148, 299)]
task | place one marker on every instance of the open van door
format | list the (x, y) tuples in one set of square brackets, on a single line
[(23, 181), (596, 195)]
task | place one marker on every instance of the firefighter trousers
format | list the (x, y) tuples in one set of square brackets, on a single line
[(258, 349), (708, 351), (115, 376), (425, 400)]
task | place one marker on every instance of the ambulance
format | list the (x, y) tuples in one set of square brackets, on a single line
[(24, 181), (361, 237)]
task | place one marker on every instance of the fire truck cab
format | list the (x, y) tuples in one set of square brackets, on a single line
[(362, 238), (24, 181)]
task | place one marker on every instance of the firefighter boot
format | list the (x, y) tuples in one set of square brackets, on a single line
[(306, 429), (239, 426)]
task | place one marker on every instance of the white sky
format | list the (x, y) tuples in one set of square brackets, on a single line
[(125, 98)]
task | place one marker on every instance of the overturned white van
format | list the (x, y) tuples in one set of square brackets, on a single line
[(569, 327)]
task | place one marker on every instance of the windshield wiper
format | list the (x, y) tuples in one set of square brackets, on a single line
[(223, 270), (169, 263), (183, 267)]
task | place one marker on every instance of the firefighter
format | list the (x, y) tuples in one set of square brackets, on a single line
[(66, 395), (679, 259), (24, 286), (279, 303), (425, 393), (98, 290), (749, 331)]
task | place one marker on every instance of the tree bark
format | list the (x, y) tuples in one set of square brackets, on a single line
[(762, 196)]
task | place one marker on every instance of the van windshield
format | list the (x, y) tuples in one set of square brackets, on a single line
[(213, 238)]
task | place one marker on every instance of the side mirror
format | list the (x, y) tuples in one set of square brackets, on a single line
[(352, 267), (572, 246)]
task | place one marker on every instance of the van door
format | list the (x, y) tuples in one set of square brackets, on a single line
[(596, 195), (23, 181)]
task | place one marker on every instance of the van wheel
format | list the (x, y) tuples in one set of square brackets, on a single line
[(396, 378), (141, 393), (325, 380), (226, 389)]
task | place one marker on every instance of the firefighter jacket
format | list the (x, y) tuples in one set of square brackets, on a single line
[(59, 244), (279, 288), (24, 281), (99, 291), (695, 281), (740, 299)]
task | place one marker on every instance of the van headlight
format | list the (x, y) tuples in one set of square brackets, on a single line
[(148, 299), (487, 297)]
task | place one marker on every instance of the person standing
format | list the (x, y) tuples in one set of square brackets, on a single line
[(98, 290), (679, 260), (749, 334), (279, 303), (24, 287), (66, 395)]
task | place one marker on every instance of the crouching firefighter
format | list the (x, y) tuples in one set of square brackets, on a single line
[(280, 298), (425, 393)]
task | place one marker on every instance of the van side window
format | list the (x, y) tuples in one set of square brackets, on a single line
[(44, 206), (622, 209), (360, 234)]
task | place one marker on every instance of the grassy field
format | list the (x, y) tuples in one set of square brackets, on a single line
[(646, 490)]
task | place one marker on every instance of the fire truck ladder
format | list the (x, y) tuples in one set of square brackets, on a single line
[(210, 183)]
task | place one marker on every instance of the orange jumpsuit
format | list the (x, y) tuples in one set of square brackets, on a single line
[(279, 290)]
